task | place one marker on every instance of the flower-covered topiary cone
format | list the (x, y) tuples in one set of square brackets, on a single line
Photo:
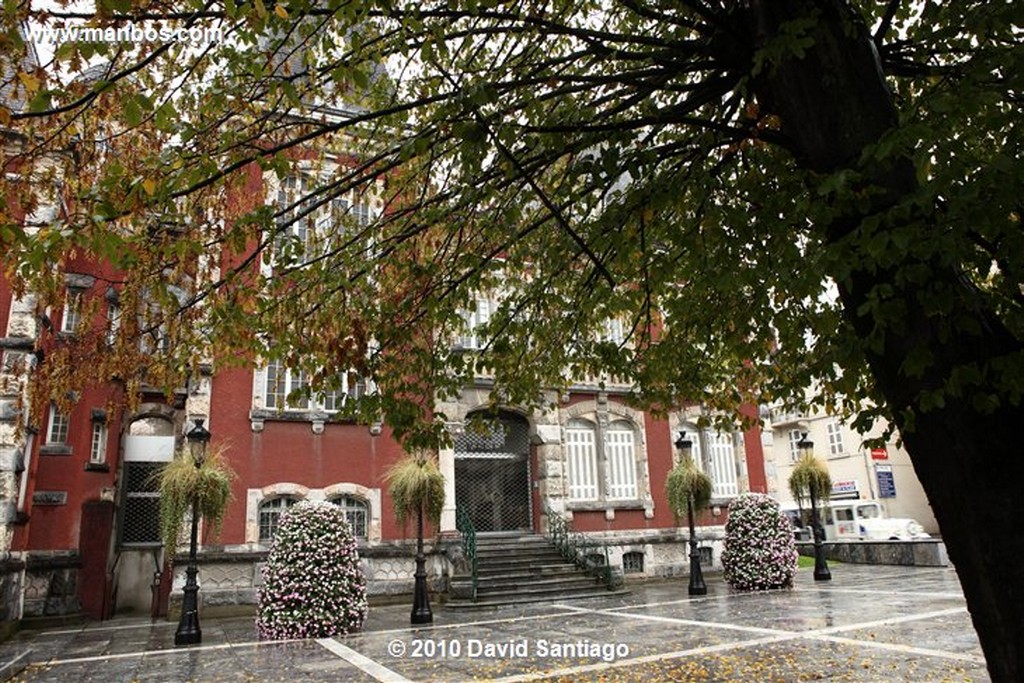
[(760, 552), (313, 585)]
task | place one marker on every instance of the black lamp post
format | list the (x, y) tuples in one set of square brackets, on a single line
[(697, 585), (188, 632), (821, 571), (421, 613)]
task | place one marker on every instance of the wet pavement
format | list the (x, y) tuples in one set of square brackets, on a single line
[(870, 623)]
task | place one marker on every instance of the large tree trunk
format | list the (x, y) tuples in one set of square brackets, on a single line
[(833, 103)]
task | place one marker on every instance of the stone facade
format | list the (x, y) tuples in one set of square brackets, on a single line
[(234, 578), (51, 585)]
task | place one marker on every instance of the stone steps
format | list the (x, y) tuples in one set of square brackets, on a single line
[(523, 568)]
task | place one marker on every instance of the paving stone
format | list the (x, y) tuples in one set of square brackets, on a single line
[(869, 623)]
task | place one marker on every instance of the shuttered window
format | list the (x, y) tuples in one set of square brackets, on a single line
[(620, 451), (582, 455)]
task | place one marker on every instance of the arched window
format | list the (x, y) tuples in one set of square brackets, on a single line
[(270, 512), (581, 449), (620, 451), (357, 512)]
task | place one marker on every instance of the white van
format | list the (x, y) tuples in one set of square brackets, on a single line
[(865, 519)]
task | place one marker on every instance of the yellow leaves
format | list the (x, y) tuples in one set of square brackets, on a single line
[(149, 185), (280, 11), (30, 82)]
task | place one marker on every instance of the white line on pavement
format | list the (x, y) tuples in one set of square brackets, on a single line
[(689, 622), (891, 593), (647, 659), (906, 649), (777, 637), (362, 662)]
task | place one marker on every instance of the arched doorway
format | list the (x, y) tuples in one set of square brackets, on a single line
[(492, 473)]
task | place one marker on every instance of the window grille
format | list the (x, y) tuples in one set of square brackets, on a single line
[(357, 512), (579, 444), (620, 451), (492, 474), (270, 516), (140, 520), (633, 562)]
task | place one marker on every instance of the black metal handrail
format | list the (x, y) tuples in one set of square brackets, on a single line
[(578, 548), (465, 525)]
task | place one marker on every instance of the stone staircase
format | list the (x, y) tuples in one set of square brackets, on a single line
[(515, 568)]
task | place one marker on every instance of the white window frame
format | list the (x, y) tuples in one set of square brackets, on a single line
[(581, 455), (620, 459), (721, 464), (71, 316), (113, 322), (794, 437), (614, 331), (474, 320), (58, 429), (313, 229), (274, 508), (98, 444), (286, 380), (836, 448), (279, 383), (354, 506)]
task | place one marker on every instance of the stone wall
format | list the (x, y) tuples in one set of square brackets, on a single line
[(51, 584), (228, 578), (666, 552), (924, 553)]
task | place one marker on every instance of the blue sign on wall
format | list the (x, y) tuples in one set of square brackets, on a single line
[(886, 483)]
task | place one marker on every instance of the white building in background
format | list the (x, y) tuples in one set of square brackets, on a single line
[(858, 472)]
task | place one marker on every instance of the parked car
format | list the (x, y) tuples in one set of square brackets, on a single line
[(857, 520)]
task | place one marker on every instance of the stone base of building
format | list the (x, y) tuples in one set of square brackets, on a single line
[(233, 577)]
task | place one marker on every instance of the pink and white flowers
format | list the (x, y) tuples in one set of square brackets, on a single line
[(760, 552), (313, 585)]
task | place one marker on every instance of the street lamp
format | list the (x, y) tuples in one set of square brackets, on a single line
[(697, 585), (421, 613), (821, 571), (188, 632)]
